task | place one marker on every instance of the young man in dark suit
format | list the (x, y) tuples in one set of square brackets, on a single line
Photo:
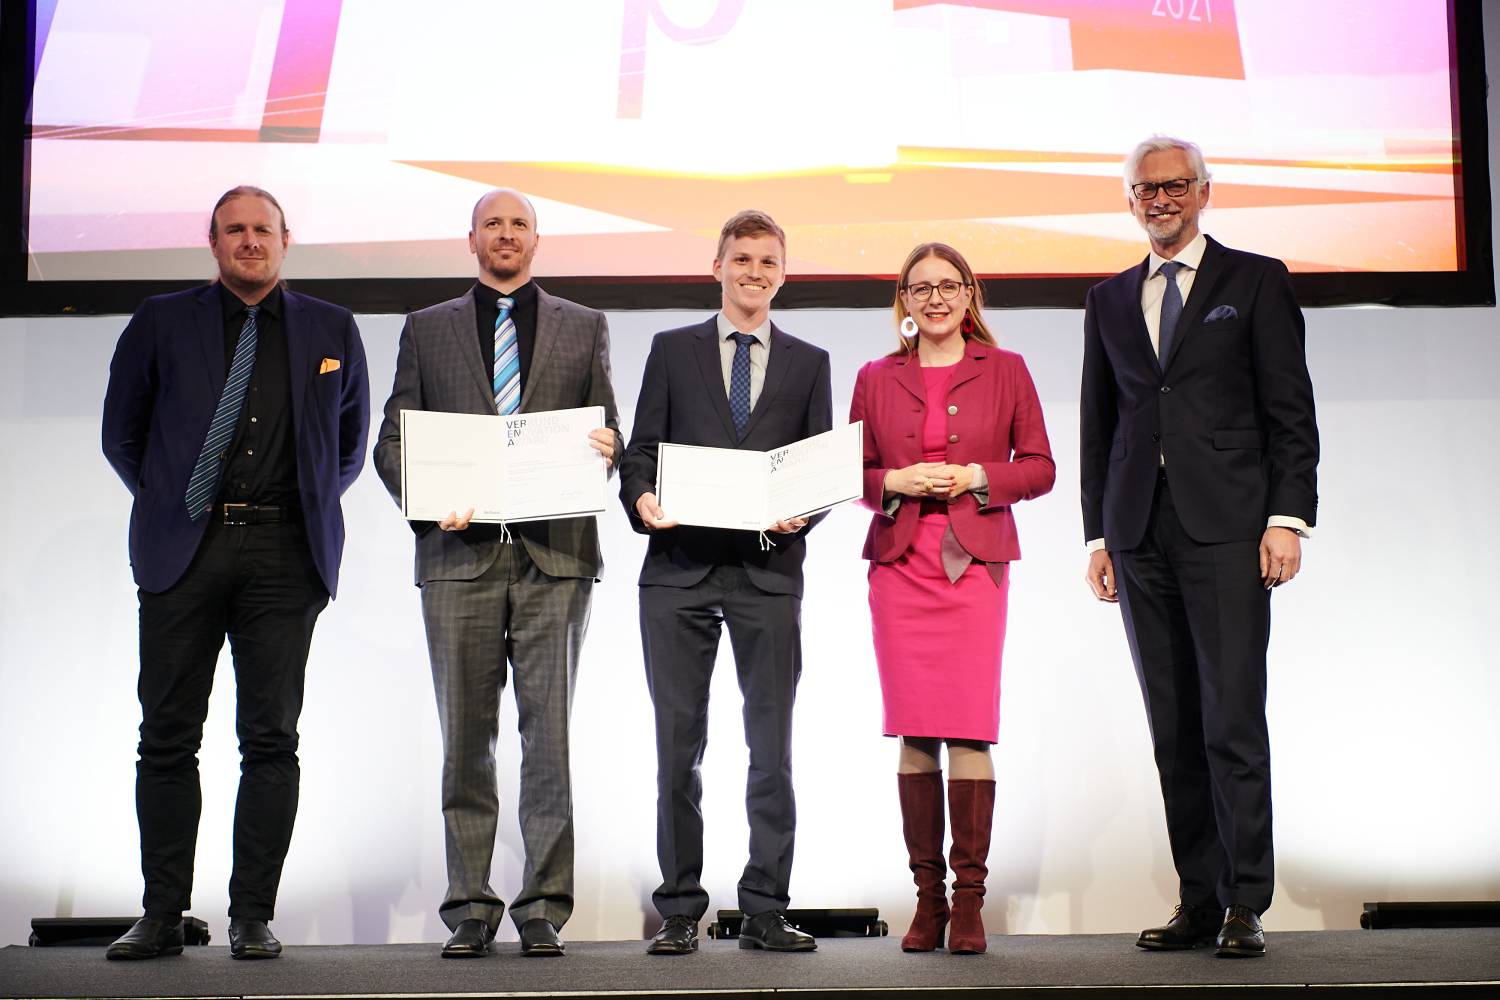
[(1199, 462), (237, 416), (734, 381)]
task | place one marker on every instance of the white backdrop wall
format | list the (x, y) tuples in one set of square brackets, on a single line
[(1384, 697)]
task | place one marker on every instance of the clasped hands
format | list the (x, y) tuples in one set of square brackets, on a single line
[(601, 439), (934, 480)]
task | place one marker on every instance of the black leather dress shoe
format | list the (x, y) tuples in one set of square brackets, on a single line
[(539, 939), (770, 931), (678, 936), (1241, 936), (1190, 927), (471, 939), (148, 937), (252, 939)]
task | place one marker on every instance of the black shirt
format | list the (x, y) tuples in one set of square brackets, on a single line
[(523, 314), (262, 463)]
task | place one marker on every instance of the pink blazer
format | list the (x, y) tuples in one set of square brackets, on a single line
[(994, 419)]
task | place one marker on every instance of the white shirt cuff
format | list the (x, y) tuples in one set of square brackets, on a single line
[(1295, 523), (1095, 544)]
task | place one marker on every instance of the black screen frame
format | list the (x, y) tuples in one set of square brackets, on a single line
[(1472, 286)]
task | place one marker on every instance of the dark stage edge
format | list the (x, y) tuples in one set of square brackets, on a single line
[(1454, 962)]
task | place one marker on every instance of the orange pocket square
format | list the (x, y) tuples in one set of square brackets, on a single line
[(328, 365)]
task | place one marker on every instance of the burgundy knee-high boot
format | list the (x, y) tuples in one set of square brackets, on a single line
[(971, 807), (922, 822)]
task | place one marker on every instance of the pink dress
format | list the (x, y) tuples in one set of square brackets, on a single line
[(937, 644)]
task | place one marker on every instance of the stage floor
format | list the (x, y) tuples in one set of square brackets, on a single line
[(1369, 963)]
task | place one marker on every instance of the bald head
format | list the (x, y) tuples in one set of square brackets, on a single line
[(500, 196), (503, 238)]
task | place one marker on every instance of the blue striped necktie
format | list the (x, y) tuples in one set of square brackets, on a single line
[(506, 381), (203, 483), (739, 382), (1171, 309)]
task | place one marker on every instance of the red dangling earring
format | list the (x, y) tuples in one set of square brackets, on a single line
[(968, 325)]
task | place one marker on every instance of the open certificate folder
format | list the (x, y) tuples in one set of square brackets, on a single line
[(523, 467), (752, 490)]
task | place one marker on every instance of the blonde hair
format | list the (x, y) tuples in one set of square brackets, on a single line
[(974, 315)]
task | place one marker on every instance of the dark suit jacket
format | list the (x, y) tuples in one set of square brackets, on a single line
[(164, 384), (1230, 409), (438, 367), (994, 419), (683, 401)]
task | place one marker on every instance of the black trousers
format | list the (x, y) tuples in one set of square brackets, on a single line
[(258, 585), (680, 632), (1199, 619)]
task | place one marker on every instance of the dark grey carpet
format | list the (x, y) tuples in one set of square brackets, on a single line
[(1304, 958)]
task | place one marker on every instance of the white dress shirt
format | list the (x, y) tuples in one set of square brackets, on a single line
[(759, 351)]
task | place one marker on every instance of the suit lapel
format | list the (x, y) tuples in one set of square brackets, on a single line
[(1142, 334), (909, 377), (1210, 272), (970, 366), (461, 327), (712, 369), (209, 320), (297, 351), (548, 322), (778, 366)]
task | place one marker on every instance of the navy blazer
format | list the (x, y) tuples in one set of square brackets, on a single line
[(164, 384), (683, 401), (1230, 410), (994, 418)]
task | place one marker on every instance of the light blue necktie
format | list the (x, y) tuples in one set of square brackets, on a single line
[(507, 379), (1171, 309), (739, 382), (203, 483)]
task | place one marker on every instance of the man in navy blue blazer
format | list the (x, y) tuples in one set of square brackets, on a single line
[(237, 416), (1199, 480)]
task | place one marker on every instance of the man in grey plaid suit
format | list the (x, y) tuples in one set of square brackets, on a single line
[(489, 594)]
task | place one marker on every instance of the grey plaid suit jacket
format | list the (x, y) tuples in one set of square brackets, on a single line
[(438, 367)]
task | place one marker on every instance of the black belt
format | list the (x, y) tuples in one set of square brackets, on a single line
[(249, 513)]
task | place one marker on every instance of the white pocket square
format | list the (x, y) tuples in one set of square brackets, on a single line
[(1220, 312)]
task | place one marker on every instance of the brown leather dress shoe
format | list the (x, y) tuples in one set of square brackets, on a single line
[(252, 939), (148, 937), (1241, 936), (1189, 927)]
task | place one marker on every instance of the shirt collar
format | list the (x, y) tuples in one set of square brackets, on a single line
[(761, 333), (522, 297), (1191, 255), (232, 306)]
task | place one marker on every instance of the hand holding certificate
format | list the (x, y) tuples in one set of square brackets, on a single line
[(755, 490), (521, 467)]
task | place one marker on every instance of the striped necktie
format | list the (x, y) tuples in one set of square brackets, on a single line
[(507, 371), (203, 483)]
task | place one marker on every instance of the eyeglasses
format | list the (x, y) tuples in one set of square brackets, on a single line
[(1146, 190), (949, 290)]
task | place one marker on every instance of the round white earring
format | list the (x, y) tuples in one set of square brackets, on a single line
[(908, 327)]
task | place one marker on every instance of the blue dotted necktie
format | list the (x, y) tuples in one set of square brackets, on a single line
[(507, 377), (203, 483), (739, 382), (1171, 309)]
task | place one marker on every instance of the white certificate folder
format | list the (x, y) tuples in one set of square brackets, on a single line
[(522, 467), (752, 490)]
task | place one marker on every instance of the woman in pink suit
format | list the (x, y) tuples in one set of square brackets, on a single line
[(953, 437)]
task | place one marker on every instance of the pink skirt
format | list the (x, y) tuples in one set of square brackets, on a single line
[(938, 644)]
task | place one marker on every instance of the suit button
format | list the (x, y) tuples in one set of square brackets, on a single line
[(952, 410), (1156, 437), (1166, 390), (952, 438)]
